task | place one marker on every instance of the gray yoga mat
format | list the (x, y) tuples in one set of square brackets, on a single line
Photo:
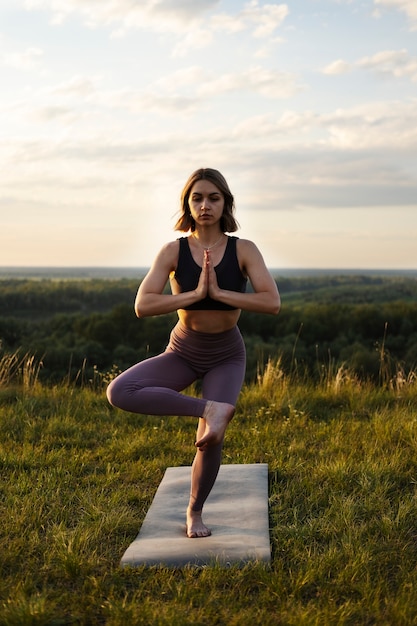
[(236, 512)]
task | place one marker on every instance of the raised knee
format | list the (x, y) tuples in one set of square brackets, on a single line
[(111, 393)]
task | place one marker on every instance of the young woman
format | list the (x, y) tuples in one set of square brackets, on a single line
[(208, 272)]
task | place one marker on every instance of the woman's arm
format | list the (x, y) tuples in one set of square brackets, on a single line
[(150, 299), (265, 297)]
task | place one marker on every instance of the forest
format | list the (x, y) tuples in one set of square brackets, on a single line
[(81, 328)]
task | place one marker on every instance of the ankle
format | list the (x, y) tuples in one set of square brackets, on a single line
[(193, 511), (207, 408)]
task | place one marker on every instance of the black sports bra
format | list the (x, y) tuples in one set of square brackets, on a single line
[(228, 272)]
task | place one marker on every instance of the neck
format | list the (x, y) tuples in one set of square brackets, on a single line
[(210, 242)]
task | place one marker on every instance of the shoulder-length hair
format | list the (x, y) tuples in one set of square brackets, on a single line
[(228, 223)]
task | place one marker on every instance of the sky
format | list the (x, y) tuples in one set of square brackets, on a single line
[(308, 108)]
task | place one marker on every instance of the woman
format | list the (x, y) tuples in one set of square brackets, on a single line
[(208, 271)]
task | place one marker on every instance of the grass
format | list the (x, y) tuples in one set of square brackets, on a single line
[(77, 478)]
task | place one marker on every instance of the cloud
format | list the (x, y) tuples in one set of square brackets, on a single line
[(409, 7), (83, 99), (26, 60), (131, 14), (183, 8), (194, 21), (184, 92), (359, 156), (337, 67), (262, 20), (390, 125), (268, 83), (62, 114), (322, 177), (275, 129), (395, 63), (195, 39), (266, 18), (389, 128), (77, 86), (161, 15)]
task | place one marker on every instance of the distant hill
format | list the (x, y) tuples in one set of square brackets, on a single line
[(115, 273)]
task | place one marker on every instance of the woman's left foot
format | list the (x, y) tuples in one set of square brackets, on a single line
[(217, 416), (194, 526)]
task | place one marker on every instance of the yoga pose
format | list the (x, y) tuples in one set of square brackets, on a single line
[(208, 271)]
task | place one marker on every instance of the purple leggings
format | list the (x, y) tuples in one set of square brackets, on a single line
[(153, 387)]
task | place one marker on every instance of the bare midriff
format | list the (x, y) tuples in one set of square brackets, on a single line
[(209, 321)]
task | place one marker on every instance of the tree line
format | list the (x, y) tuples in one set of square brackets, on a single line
[(363, 322)]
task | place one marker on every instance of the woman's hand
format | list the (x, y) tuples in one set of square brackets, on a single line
[(212, 284), (202, 288), (207, 284)]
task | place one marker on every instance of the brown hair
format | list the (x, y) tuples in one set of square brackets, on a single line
[(228, 223)]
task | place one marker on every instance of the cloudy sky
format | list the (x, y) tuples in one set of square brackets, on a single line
[(308, 108)]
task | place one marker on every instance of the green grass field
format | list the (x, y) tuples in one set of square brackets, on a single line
[(77, 478)]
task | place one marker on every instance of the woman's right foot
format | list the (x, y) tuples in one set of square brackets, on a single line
[(194, 526), (217, 416)]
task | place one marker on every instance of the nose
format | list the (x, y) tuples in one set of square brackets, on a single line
[(204, 205)]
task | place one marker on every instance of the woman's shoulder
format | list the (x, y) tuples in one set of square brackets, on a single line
[(170, 247), (168, 254), (248, 254), (245, 245)]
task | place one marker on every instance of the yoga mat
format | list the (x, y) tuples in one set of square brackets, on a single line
[(236, 512)]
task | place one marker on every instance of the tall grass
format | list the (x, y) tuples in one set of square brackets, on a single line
[(19, 368), (77, 478)]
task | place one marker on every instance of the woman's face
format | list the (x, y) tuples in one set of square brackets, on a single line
[(206, 203)]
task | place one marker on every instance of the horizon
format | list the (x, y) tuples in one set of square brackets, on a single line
[(130, 272)]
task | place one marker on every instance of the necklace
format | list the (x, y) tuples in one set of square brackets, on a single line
[(208, 247)]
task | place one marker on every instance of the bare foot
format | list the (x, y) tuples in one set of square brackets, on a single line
[(217, 416), (194, 526)]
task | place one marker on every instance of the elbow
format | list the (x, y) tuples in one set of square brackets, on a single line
[(139, 309), (146, 307), (141, 312), (143, 309), (276, 306)]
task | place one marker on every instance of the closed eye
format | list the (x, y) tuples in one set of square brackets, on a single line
[(213, 197)]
